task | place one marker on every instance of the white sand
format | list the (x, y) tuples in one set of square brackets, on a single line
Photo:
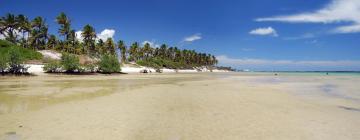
[(38, 69), (50, 54), (208, 107)]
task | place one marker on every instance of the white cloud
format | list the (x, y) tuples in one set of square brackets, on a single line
[(264, 31), (347, 11), (192, 38), (152, 43), (285, 64), (105, 34), (78, 36)]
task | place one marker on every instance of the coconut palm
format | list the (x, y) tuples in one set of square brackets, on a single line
[(89, 36), (39, 33), (64, 22), (52, 41), (133, 51), (122, 47), (24, 27), (110, 46), (8, 27)]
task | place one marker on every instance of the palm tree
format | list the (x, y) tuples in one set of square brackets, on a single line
[(110, 45), (52, 41), (64, 22), (100, 46), (8, 27), (133, 51), (122, 47), (89, 36), (38, 33), (24, 27), (147, 50)]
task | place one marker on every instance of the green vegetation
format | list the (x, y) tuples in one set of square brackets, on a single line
[(52, 66), (109, 64), (33, 35), (12, 57), (27, 54), (70, 62)]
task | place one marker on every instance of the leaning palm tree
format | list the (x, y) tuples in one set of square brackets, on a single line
[(8, 27), (24, 27), (64, 22), (122, 47), (38, 35), (89, 36)]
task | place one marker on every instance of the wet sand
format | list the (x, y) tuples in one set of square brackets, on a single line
[(208, 106)]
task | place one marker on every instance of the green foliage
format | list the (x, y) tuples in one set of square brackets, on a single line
[(52, 66), (3, 63), (109, 64), (158, 63), (16, 61), (90, 67), (70, 62), (27, 54)]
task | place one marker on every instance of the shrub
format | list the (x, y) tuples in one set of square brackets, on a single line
[(70, 62), (3, 63), (27, 54), (91, 67), (52, 66), (16, 61), (109, 64)]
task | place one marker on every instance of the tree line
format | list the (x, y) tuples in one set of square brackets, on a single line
[(33, 34)]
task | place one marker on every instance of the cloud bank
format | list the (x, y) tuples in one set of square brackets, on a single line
[(192, 38), (103, 35), (264, 31), (153, 44), (266, 64), (344, 11)]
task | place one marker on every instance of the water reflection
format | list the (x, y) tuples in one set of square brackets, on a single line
[(22, 94)]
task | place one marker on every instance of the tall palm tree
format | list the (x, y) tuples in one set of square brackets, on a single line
[(110, 45), (8, 27), (100, 46), (147, 50), (89, 36), (133, 51), (24, 27), (38, 33), (122, 47), (64, 22)]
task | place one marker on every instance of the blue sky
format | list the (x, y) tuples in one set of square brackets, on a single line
[(246, 34)]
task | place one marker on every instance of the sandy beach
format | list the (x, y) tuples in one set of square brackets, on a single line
[(206, 106)]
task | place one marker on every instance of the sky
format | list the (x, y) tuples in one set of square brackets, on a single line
[(248, 34)]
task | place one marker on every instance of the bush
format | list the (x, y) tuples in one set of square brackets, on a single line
[(3, 63), (27, 54), (109, 64), (70, 62), (16, 61), (91, 67), (52, 66), (158, 63)]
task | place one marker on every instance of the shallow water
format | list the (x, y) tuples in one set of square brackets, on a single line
[(198, 106), (18, 94)]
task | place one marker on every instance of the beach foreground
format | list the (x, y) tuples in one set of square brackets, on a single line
[(206, 106)]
